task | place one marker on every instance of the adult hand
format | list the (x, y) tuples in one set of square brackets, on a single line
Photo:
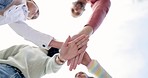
[(86, 59), (87, 30), (70, 48), (76, 60)]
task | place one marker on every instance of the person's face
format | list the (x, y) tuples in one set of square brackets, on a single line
[(33, 10), (81, 75), (77, 9)]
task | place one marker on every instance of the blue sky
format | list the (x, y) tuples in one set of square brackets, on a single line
[(120, 44)]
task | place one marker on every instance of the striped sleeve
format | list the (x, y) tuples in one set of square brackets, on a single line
[(96, 69)]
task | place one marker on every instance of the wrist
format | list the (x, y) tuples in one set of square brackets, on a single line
[(59, 60), (55, 44), (88, 30), (86, 63)]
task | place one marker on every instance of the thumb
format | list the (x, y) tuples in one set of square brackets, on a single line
[(67, 40)]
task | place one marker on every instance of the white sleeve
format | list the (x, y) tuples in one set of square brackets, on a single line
[(40, 39), (52, 66)]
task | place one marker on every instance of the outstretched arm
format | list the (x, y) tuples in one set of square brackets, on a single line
[(40, 39), (94, 67), (100, 9)]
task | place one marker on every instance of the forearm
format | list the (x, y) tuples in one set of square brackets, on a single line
[(56, 44), (52, 65), (100, 9), (87, 30), (95, 68), (40, 39)]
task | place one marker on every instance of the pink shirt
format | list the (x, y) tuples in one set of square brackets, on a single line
[(100, 9)]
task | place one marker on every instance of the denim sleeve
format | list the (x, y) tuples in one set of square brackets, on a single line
[(4, 3)]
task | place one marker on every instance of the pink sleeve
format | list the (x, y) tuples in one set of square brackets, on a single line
[(100, 9)]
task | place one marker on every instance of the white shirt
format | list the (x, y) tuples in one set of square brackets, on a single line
[(40, 39), (14, 13), (15, 16)]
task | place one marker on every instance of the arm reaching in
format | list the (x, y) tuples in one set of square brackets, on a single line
[(40, 39), (70, 48), (100, 9), (93, 67)]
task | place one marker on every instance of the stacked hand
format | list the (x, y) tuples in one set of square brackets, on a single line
[(77, 59), (73, 47)]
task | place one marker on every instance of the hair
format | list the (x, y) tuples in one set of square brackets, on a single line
[(79, 2), (72, 10), (34, 17), (38, 12), (85, 74), (76, 14)]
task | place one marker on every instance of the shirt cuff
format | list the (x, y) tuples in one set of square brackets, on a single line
[(52, 66), (92, 64), (45, 42)]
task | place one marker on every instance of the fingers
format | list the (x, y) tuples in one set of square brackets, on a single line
[(81, 44), (69, 61), (81, 50), (67, 40), (80, 38), (76, 62), (80, 58), (71, 64)]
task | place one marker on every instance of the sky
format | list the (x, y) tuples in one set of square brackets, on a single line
[(120, 44)]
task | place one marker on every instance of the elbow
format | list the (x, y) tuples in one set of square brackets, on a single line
[(107, 5)]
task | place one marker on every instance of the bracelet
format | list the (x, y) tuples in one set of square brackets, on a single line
[(62, 61), (59, 61)]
